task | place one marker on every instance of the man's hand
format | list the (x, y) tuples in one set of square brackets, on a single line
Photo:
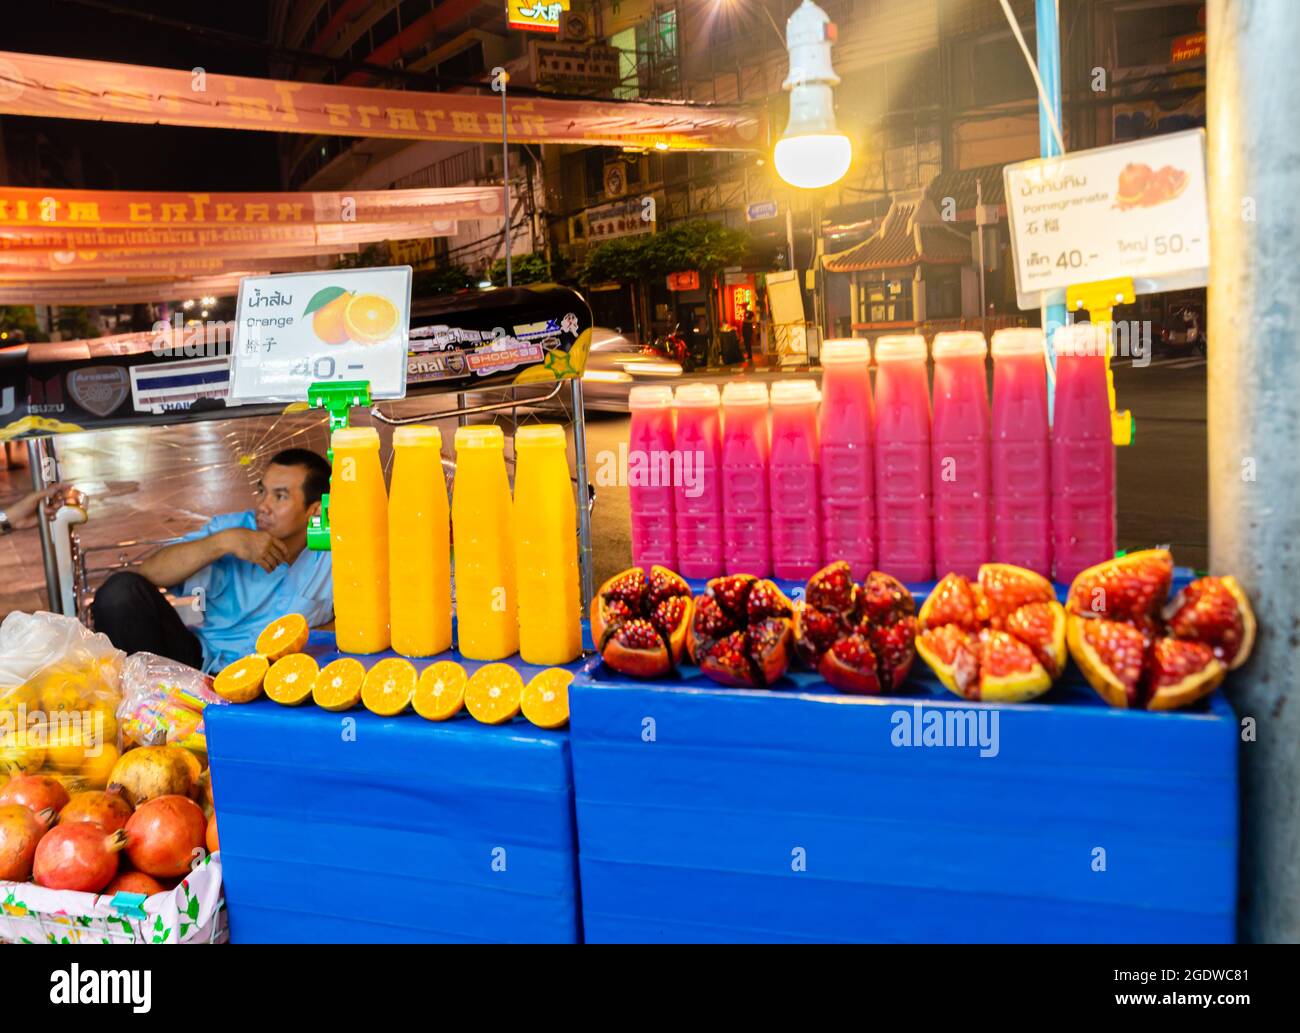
[(259, 547), (26, 511)]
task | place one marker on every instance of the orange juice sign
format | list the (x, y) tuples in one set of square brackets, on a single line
[(300, 329), (1136, 210)]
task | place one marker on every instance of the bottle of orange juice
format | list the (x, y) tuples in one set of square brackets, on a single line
[(419, 544), (359, 541), (483, 530), (546, 548)]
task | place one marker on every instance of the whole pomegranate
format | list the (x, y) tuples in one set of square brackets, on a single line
[(20, 831), (134, 882), (80, 856), (35, 792), (163, 835), (860, 638), (108, 809), (639, 621), (210, 840)]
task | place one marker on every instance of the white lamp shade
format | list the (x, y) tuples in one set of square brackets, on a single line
[(814, 160)]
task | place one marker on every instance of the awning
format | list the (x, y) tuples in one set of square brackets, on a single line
[(912, 233)]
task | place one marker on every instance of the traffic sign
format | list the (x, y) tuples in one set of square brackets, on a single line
[(761, 210)]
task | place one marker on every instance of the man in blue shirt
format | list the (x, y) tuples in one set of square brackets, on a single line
[(244, 570)]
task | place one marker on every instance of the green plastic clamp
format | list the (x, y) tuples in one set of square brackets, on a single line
[(337, 399)]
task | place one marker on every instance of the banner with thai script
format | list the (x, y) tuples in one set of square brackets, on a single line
[(250, 240), (101, 91)]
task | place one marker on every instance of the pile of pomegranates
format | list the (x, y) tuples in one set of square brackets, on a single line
[(1141, 651), (96, 841), (639, 621), (742, 631)]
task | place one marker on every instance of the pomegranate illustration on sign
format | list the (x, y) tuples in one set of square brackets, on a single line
[(1141, 186)]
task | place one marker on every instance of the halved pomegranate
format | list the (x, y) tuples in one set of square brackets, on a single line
[(1215, 610), (1131, 656), (1130, 587), (639, 622), (860, 638), (741, 631), (1001, 637)]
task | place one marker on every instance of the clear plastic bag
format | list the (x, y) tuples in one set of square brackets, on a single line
[(163, 702), (59, 690)]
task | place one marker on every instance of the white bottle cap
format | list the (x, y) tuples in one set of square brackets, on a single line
[(541, 435), (417, 434), (845, 349), (900, 347), (1081, 339), (354, 437), (650, 396), (795, 392), (1018, 340), (485, 436), (697, 395), (959, 344), (747, 392)]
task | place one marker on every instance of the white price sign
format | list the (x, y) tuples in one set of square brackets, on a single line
[(1134, 210), (300, 329)]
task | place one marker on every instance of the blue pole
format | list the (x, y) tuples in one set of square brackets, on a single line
[(1049, 70)]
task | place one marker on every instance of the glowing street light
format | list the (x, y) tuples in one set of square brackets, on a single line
[(812, 152)]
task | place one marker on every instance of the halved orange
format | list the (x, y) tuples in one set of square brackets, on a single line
[(338, 686), (289, 681), (545, 701), (440, 693), (388, 687), (284, 635), (493, 692), (241, 682), (369, 318)]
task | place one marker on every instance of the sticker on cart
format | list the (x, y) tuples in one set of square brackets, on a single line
[(299, 329), (1137, 210)]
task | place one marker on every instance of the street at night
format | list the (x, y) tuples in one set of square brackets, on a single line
[(650, 471)]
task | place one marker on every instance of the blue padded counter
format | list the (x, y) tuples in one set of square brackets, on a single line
[(707, 814), (391, 835)]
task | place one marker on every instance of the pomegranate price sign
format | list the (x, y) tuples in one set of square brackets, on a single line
[(299, 329), (1136, 210)]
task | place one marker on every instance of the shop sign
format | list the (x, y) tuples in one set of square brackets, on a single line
[(689, 280), (535, 15), (615, 179), (1188, 48), (761, 210), (300, 329), (618, 219), (1136, 210), (580, 65)]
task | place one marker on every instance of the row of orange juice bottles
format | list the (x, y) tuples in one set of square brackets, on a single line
[(515, 557)]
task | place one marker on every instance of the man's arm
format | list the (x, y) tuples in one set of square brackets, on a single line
[(172, 564)]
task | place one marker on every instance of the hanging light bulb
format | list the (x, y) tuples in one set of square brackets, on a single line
[(812, 152)]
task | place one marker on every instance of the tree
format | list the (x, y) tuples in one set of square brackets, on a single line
[(18, 320), (531, 268), (443, 280), (707, 247), (75, 323)]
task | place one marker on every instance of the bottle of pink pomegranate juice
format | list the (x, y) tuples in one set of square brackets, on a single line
[(793, 469), (902, 443), (746, 511), (959, 455), (697, 495), (847, 463), (1022, 454), (649, 476), (1083, 456)]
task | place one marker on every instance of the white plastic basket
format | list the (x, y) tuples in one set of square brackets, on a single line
[(194, 912)]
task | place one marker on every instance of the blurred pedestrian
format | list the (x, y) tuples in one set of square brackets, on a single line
[(748, 331)]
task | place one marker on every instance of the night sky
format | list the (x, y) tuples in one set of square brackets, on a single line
[(153, 157)]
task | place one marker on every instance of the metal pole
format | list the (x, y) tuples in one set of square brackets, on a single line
[(789, 232), (1253, 110), (979, 232), (1049, 70), (505, 173), (585, 561), (45, 471)]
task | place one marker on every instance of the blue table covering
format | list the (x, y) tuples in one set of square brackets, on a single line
[(348, 827), (799, 814)]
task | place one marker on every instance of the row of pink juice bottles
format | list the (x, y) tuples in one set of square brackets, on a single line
[(783, 484)]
